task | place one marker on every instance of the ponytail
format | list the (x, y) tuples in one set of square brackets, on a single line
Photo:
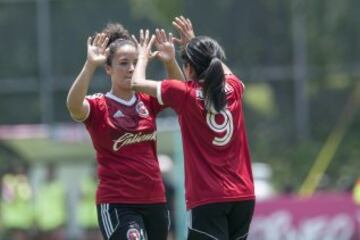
[(205, 56), (214, 89)]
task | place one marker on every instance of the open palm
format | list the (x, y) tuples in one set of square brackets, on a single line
[(96, 49), (185, 29), (165, 45)]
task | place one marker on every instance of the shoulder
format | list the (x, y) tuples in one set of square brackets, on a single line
[(233, 82), (177, 84), (95, 96), (142, 96), (145, 97), (96, 100)]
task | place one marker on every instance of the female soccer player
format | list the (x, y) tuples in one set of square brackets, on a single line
[(130, 196), (218, 176)]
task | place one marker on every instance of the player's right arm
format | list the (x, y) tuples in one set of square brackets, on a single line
[(96, 56)]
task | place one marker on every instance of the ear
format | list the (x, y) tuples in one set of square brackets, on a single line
[(107, 69), (192, 72)]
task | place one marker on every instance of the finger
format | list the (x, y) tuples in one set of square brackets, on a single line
[(189, 22), (183, 19), (89, 40), (177, 26), (180, 23), (141, 36), (163, 35), (101, 38), (146, 40), (96, 39), (171, 37), (158, 36), (105, 42), (98, 42), (151, 42), (135, 40), (154, 54), (186, 23)]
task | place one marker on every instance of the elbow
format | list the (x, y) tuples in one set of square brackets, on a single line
[(68, 103), (71, 107), (135, 84)]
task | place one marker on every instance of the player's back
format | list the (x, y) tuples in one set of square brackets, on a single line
[(216, 150)]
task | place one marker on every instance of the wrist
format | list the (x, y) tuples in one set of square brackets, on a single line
[(170, 61), (89, 65), (143, 59)]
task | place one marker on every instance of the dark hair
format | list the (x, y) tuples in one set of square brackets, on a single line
[(118, 36), (205, 56)]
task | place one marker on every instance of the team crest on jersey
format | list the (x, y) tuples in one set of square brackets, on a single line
[(141, 109), (133, 234)]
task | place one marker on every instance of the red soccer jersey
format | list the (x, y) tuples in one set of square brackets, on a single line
[(216, 152), (124, 136)]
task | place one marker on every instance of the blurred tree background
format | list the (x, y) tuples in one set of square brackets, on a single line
[(300, 61)]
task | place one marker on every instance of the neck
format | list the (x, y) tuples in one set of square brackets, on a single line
[(123, 94)]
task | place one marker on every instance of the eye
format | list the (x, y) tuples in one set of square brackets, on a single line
[(123, 63)]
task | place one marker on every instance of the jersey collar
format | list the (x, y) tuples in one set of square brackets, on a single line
[(120, 100)]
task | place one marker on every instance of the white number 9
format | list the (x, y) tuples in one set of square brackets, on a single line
[(227, 126)]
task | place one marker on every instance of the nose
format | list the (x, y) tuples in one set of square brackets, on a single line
[(132, 67)]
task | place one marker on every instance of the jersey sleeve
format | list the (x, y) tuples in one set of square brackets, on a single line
[(154, 104), (236, 83), (173, 93), (94, 107)]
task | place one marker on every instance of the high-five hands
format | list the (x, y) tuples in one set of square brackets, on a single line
[(163, 42)]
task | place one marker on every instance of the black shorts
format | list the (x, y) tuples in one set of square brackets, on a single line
[(228, 220), (133, 221)]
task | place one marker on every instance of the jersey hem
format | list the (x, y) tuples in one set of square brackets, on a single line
[(218, 200), (141, 201)]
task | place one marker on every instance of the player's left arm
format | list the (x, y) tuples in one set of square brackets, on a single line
[(138, 80)]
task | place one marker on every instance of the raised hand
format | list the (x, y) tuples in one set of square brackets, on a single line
[(96, 49), (165, 45), (185, 29), (144, 45)]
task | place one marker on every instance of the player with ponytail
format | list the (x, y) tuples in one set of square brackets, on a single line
[(218, 177)]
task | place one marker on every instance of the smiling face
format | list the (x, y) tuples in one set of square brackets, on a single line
[(122, 67)]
